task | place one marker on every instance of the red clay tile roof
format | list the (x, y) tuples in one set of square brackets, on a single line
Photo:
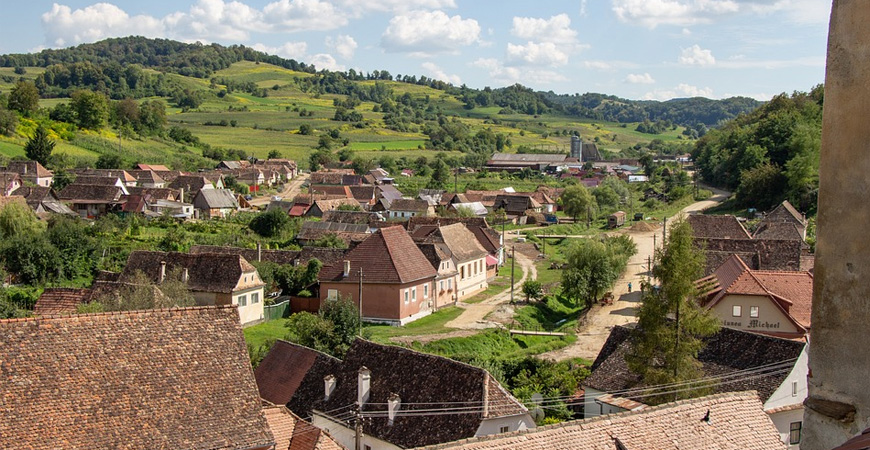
[(90, 194), (208, 272), (388, 256), (293, 433), (736, 422), (59, 301), (791, 291), (710, 226), (29, 168), (461, 242), (418, 378), (409, 204), (167, 379), (276, 380)]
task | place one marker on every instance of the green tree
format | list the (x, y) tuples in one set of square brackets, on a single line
[(363, 165), (109, 161), (663, 350), (39, 146), (761, 187), (577, 200), (62, 179), (8, 122), (440, 175), (141, 293), (24, 98), (270, 223), (591, 269), (91, 108), (305, 129), (533, 289), (332, 330), (274, 154), (16, 220)]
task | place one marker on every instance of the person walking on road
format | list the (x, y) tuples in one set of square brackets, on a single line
[(629, 286)]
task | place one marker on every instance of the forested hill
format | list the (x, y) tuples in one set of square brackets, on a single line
[(113, 66)]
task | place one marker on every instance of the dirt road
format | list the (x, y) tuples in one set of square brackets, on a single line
[(594, 329), (290, 191), (473, 316)]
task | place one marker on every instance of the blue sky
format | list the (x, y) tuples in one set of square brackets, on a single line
[(637, 49)]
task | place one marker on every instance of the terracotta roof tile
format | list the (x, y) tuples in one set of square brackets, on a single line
[(293, 433), (29, 168), (417, 378), (388, 256), (275, 378), (207, 272), (736, 422), (91, 193), (169, 379), (723, 227), (59, 301)]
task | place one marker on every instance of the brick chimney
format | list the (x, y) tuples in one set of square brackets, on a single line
[(162, 274)]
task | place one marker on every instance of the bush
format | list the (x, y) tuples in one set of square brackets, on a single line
[(703, 194)]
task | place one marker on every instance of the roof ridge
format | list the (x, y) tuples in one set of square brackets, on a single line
[(118, 313), (737, 395)]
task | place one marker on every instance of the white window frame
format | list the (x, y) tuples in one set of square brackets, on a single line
[(255, 298), (441, 286), (414, 294), (794, 388), (504, 429), (450, 283), (753, 312), (791, 433), (426, 290), (332, 294), (407, 297), (243, 300), (736, 311)]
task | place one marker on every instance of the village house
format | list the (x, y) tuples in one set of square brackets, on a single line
[(397, 279), (233, 165), (321, 206), (488, 238), (148, 179), (215, 203), (190, 185), (126, 178), (515, 205), (785, 213), (336, 177), (32, 172), (467, 256), (373, 375), (285, 168), (404, 208), (86, 180), (777, 303), (776, 369), (154, 167), (293, 433), (43, 200), (441, 258), (171, 379), (212, 279), (729, 421), (9, 182), (514, 162), (156, 193), (349, 233), (474, 208), (92, 201)]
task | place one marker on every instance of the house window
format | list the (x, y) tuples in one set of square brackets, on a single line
[(794, 388), (413, 294), (462, 273), (368, 447), (450, 283), (426, 290), (736, 310), (794, 435), (753, 312), (243, 300), (332, 294), (255, 298), (407, 297), (504, 429), (441, 287)]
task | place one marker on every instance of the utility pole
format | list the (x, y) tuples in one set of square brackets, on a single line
[(513, 258), (677, 345), (456, 180), (357, 439), (664, 231), (360, 303)]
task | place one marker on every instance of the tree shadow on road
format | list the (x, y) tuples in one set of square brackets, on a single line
[(630, 311), (632, 297)]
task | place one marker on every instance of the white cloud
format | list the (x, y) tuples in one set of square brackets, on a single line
[(342, 44), (205, 20), (439, 74), (292, 50), (609, 65), (428, 32), (63, 26), (512, 75), (686, 32), (303, 15), (582, 8), (358, 7), (652, 13), (325, 61), (681, 91), (696, 56), (639, 78), (556, 29), (543, 54)]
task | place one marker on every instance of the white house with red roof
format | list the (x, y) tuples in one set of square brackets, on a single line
[(777, 303)]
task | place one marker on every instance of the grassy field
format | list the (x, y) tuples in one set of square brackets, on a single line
[(493, 345), (431, 324), (257, 335)]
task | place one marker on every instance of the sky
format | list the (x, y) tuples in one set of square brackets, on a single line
[(635, 49)]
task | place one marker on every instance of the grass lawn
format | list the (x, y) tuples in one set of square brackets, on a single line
[(494, 345), (554, 313), (431, 324), (257, 335)]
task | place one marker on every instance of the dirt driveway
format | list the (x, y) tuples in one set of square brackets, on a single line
[(592, 332), (290, 191)]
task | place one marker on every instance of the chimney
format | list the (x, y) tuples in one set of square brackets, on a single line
[(364, 379), (259, 252), (25, 169), (328, 386), (162, 274), (393, 405), (184, 275), (346, 269)]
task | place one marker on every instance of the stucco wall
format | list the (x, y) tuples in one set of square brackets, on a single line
[(346, 436), (841, 293), (384, 301), (770, 318), (475, 279), (514, 423)]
